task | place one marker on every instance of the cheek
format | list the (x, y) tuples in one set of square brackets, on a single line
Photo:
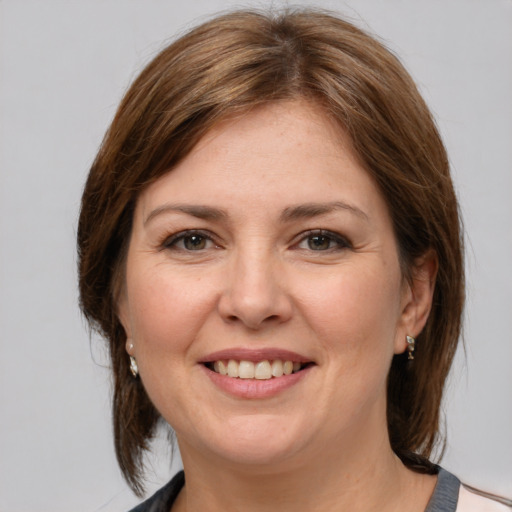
[(356, 310), (166, 314), (166, 310)]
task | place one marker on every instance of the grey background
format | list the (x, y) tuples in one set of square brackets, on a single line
[(63, 68)]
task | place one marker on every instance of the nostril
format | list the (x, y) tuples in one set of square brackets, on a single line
[(254, 306), (257, 323)]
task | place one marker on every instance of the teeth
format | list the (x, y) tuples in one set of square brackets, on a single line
[(277, 368), (220, 367), (246, 370), (261, 370), (232, 368)]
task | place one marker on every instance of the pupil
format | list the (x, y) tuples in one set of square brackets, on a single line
[(194, 242), (319, 242)]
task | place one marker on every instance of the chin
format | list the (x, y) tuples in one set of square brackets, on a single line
[(256, 440)]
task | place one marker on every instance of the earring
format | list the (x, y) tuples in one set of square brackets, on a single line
[(411, 342), (133, 362), (133, 367)]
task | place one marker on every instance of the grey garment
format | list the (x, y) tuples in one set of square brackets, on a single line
[(163, 499), (444, 499), (446, 493)]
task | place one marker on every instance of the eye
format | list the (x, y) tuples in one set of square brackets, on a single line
[(189, 241), (321, 240)]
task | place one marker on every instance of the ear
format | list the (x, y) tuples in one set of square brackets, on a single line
[(122, 310), (417, 299)]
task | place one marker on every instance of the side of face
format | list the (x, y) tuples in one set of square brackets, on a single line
[(268, 242)]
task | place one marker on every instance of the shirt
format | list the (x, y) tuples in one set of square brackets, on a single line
[(449, 496)]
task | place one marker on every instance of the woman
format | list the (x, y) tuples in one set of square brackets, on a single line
[(270, 242)]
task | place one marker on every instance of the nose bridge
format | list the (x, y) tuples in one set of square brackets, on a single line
[(255, 293)]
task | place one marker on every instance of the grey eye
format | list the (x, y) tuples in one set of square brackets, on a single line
[(323, 241), (189, 241), (194, 242), (319, 242)]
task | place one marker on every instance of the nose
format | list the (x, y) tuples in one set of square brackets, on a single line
[(255, 292)]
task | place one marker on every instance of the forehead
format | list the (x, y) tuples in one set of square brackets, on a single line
[(289, 147), (279, 127)]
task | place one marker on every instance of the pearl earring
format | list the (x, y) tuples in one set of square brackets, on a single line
[(411, 342), (133, 367), (133, 363)]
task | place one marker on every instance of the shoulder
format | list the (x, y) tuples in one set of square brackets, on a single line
[(163, 499), (471, 500)]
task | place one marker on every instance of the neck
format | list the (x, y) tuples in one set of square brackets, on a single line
[(356, 479)]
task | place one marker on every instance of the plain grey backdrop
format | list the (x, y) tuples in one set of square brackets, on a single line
[(63, 68)]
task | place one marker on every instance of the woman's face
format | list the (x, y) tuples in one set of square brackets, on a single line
[(269, 244)]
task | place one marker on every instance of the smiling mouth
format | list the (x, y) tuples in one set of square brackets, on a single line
[(258, 370)]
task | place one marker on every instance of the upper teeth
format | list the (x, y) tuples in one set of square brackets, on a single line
[(261, 370)]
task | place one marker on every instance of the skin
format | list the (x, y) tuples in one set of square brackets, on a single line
[(256, 280)]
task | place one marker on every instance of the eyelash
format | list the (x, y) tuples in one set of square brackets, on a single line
[(173, 241), (324, 235), (339, 241)]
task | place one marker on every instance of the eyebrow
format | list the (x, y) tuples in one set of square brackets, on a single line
[(199, 211), (302, 211), (310, 210)]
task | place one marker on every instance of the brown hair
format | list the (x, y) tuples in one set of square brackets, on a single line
[(228, 66)]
